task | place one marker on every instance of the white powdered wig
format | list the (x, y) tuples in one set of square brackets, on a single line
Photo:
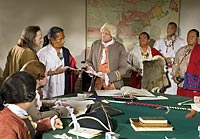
[(112, 28)]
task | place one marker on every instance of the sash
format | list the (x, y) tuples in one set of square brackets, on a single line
[(66, 55), (192, 74)]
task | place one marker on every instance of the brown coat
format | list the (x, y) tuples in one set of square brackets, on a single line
[(13, 127), (36, 115), (117, 57), (16, 58)]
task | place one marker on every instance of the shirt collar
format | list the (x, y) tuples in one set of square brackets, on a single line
[(108, 43), (16, 110), (50, 47), (173, 38)]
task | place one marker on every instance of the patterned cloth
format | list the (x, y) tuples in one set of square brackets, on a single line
[(192, 75), (181, 62), (187, 65)]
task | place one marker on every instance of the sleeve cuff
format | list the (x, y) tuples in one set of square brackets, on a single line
[(52, 121)]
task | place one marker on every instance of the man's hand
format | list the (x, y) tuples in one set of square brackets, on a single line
[(58, 70), (58, 124), (61, 69), (196, 99), (101, 75), (191, 114), (174, 78), (169, 61), (135, 69)]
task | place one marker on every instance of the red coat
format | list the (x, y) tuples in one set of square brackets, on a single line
[(13, 127), (191, 86)]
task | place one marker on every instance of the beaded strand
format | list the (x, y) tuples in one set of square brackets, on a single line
[(157, 106)]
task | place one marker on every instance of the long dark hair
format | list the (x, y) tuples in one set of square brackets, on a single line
[(18, 88), (51, 34), (27, 38)]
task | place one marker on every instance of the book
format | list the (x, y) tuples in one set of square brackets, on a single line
[(152, 119), (125, 91), (85, 132), (139, 126)]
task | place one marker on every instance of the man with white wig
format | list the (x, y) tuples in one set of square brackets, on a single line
[(107, 58)]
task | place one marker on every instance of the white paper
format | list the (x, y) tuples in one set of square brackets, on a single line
[(108, 92), (78, 97), (79, 106), (196, 107), (152, 98), (63, 136), (127, 90), (85, 132)]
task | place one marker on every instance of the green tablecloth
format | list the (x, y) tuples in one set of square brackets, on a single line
[(183, 128)]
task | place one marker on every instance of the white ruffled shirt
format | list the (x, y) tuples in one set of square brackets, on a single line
[(103, 59), (135, 57), (170, 51), (105, 44)]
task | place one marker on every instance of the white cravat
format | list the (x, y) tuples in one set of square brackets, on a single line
[(103, 59), (105, 44)]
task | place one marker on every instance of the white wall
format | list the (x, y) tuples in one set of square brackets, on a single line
[(189, 16), (71, 16), (68, 14)]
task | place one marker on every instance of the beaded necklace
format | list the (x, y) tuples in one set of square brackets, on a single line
[(144, 55), (170, 43), (60, 55), (187, 52)]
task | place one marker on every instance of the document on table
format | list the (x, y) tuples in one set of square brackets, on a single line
[(196, 106), (79, 106), (152, 98), (85, 132), (108, 92), (125, 91)]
